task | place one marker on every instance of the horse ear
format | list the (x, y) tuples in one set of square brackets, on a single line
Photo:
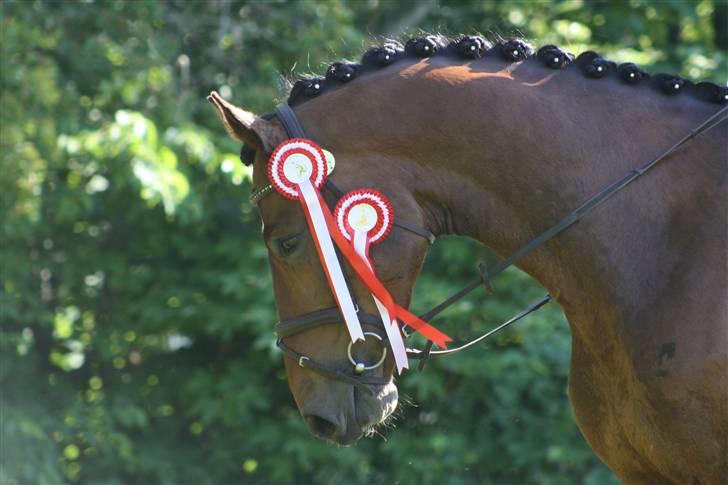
[(246, 126)]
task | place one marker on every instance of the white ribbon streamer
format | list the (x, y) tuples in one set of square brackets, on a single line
[(331, 262), (390, 326)]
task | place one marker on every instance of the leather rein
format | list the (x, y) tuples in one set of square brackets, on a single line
[(357, 378)]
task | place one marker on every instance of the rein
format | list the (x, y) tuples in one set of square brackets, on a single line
[(331, 315)]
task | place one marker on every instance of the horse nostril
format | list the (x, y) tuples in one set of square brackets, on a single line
[(321, 427)]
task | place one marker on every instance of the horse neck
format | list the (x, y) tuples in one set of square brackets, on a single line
[(502, 155)]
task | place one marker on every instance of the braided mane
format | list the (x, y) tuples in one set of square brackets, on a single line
[(470, 47)]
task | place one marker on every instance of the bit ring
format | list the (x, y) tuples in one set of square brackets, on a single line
[(360, 367)]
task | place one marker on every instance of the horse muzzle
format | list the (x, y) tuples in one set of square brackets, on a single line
[(342, 413)]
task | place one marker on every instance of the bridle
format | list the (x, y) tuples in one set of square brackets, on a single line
[(356, 374)]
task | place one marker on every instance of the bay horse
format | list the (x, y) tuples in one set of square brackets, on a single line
[(497, 142)]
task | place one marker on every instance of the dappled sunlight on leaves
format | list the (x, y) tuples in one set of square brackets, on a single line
[(136, 302)]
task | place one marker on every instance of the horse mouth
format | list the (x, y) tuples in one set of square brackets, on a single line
[(359, 415)]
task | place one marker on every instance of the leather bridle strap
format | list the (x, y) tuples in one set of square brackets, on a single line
[(311, 320), (290, 122), (441, 353), (360, 381), (293, 326)]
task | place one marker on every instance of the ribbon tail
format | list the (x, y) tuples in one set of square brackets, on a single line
[(423, 327), (394, 335), (315, 215), (370, 280), (360, 265)]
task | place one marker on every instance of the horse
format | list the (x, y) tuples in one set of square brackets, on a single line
[(496, 142)]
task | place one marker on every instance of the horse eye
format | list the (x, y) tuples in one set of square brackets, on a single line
[(288, 245)]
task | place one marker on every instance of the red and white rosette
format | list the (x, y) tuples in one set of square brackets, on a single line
[(366, 275), (365, 217), (297, 169)]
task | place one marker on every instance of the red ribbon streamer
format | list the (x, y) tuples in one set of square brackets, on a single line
[(371, 281)]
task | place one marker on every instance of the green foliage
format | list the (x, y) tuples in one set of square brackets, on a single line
[(135, 300)]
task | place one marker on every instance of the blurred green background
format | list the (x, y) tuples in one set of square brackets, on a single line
[(136, 304)]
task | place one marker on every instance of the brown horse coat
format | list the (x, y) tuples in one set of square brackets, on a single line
[(499, 153)]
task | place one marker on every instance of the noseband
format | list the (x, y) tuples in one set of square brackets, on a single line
[(355, 374)]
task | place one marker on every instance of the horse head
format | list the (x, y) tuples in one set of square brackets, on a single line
[(333, 409)]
